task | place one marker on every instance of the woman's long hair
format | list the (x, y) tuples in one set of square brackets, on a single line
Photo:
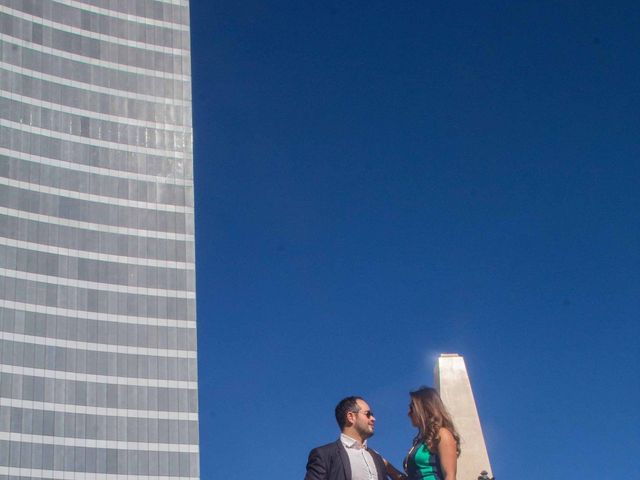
[(430, 416)]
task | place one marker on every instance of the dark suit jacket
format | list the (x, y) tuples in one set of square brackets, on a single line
[(331, 462)]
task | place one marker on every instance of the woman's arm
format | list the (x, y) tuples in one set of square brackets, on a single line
[(392, 471), (447, 451)]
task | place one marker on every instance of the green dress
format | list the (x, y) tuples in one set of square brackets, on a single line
[(421, 464)]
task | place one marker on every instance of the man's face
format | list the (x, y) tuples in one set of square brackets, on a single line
[(364, 420)]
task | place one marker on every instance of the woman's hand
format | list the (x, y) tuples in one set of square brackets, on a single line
[(392, 471)]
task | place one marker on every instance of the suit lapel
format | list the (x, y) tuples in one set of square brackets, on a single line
[(382, 471), (344, 458)]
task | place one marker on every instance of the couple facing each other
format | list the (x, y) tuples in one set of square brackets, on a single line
[(433, 456)]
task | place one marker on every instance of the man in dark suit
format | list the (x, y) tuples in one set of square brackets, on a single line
[(348, 458)]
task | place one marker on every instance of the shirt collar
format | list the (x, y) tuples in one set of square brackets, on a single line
[(349, 442)]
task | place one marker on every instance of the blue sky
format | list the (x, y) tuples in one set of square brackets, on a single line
[(378, 183)]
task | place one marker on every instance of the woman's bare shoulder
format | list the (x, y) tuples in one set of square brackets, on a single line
[(445, 435)]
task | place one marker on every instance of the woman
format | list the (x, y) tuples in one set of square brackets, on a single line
[(436, 447)]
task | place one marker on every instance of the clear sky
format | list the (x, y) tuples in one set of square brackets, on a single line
[(380, 182)]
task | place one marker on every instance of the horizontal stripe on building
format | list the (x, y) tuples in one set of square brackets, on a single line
[(91, 362), (108, 317), (85, 269), (179, 153), (97, 347), (104, 379), (131, 17), (92, 197), (83, 330), (119, 67), (86, 284), (100, 171), (65, 237), (89, 87), (95, 226), (97, 394), (88, 443), (98, 427), (67, 252), (93, 35), (94, 129), (35, 102), (52, 179), (180, 3), (39, 474), (98, 411)]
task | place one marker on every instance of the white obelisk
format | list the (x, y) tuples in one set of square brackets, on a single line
[(452, 381)]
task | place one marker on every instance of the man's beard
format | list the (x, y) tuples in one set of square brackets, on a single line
[(365, 432)]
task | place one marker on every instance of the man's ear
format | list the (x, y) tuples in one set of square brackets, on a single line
[(351, 418)]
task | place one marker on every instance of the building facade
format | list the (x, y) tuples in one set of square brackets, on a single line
[(452, 381), (98, 375)]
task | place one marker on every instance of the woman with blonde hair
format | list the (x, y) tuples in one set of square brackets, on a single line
[(436, 447)]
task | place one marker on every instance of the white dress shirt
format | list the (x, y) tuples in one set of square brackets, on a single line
[(362, 465)]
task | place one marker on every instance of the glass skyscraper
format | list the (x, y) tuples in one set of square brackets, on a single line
[(98, 375)]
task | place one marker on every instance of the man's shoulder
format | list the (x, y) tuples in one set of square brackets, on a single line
[(323, 463), (327, 447)]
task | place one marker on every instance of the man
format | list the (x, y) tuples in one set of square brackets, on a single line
[(348, 458)]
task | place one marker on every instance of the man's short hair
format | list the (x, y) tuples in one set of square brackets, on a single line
[(345, 406)]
